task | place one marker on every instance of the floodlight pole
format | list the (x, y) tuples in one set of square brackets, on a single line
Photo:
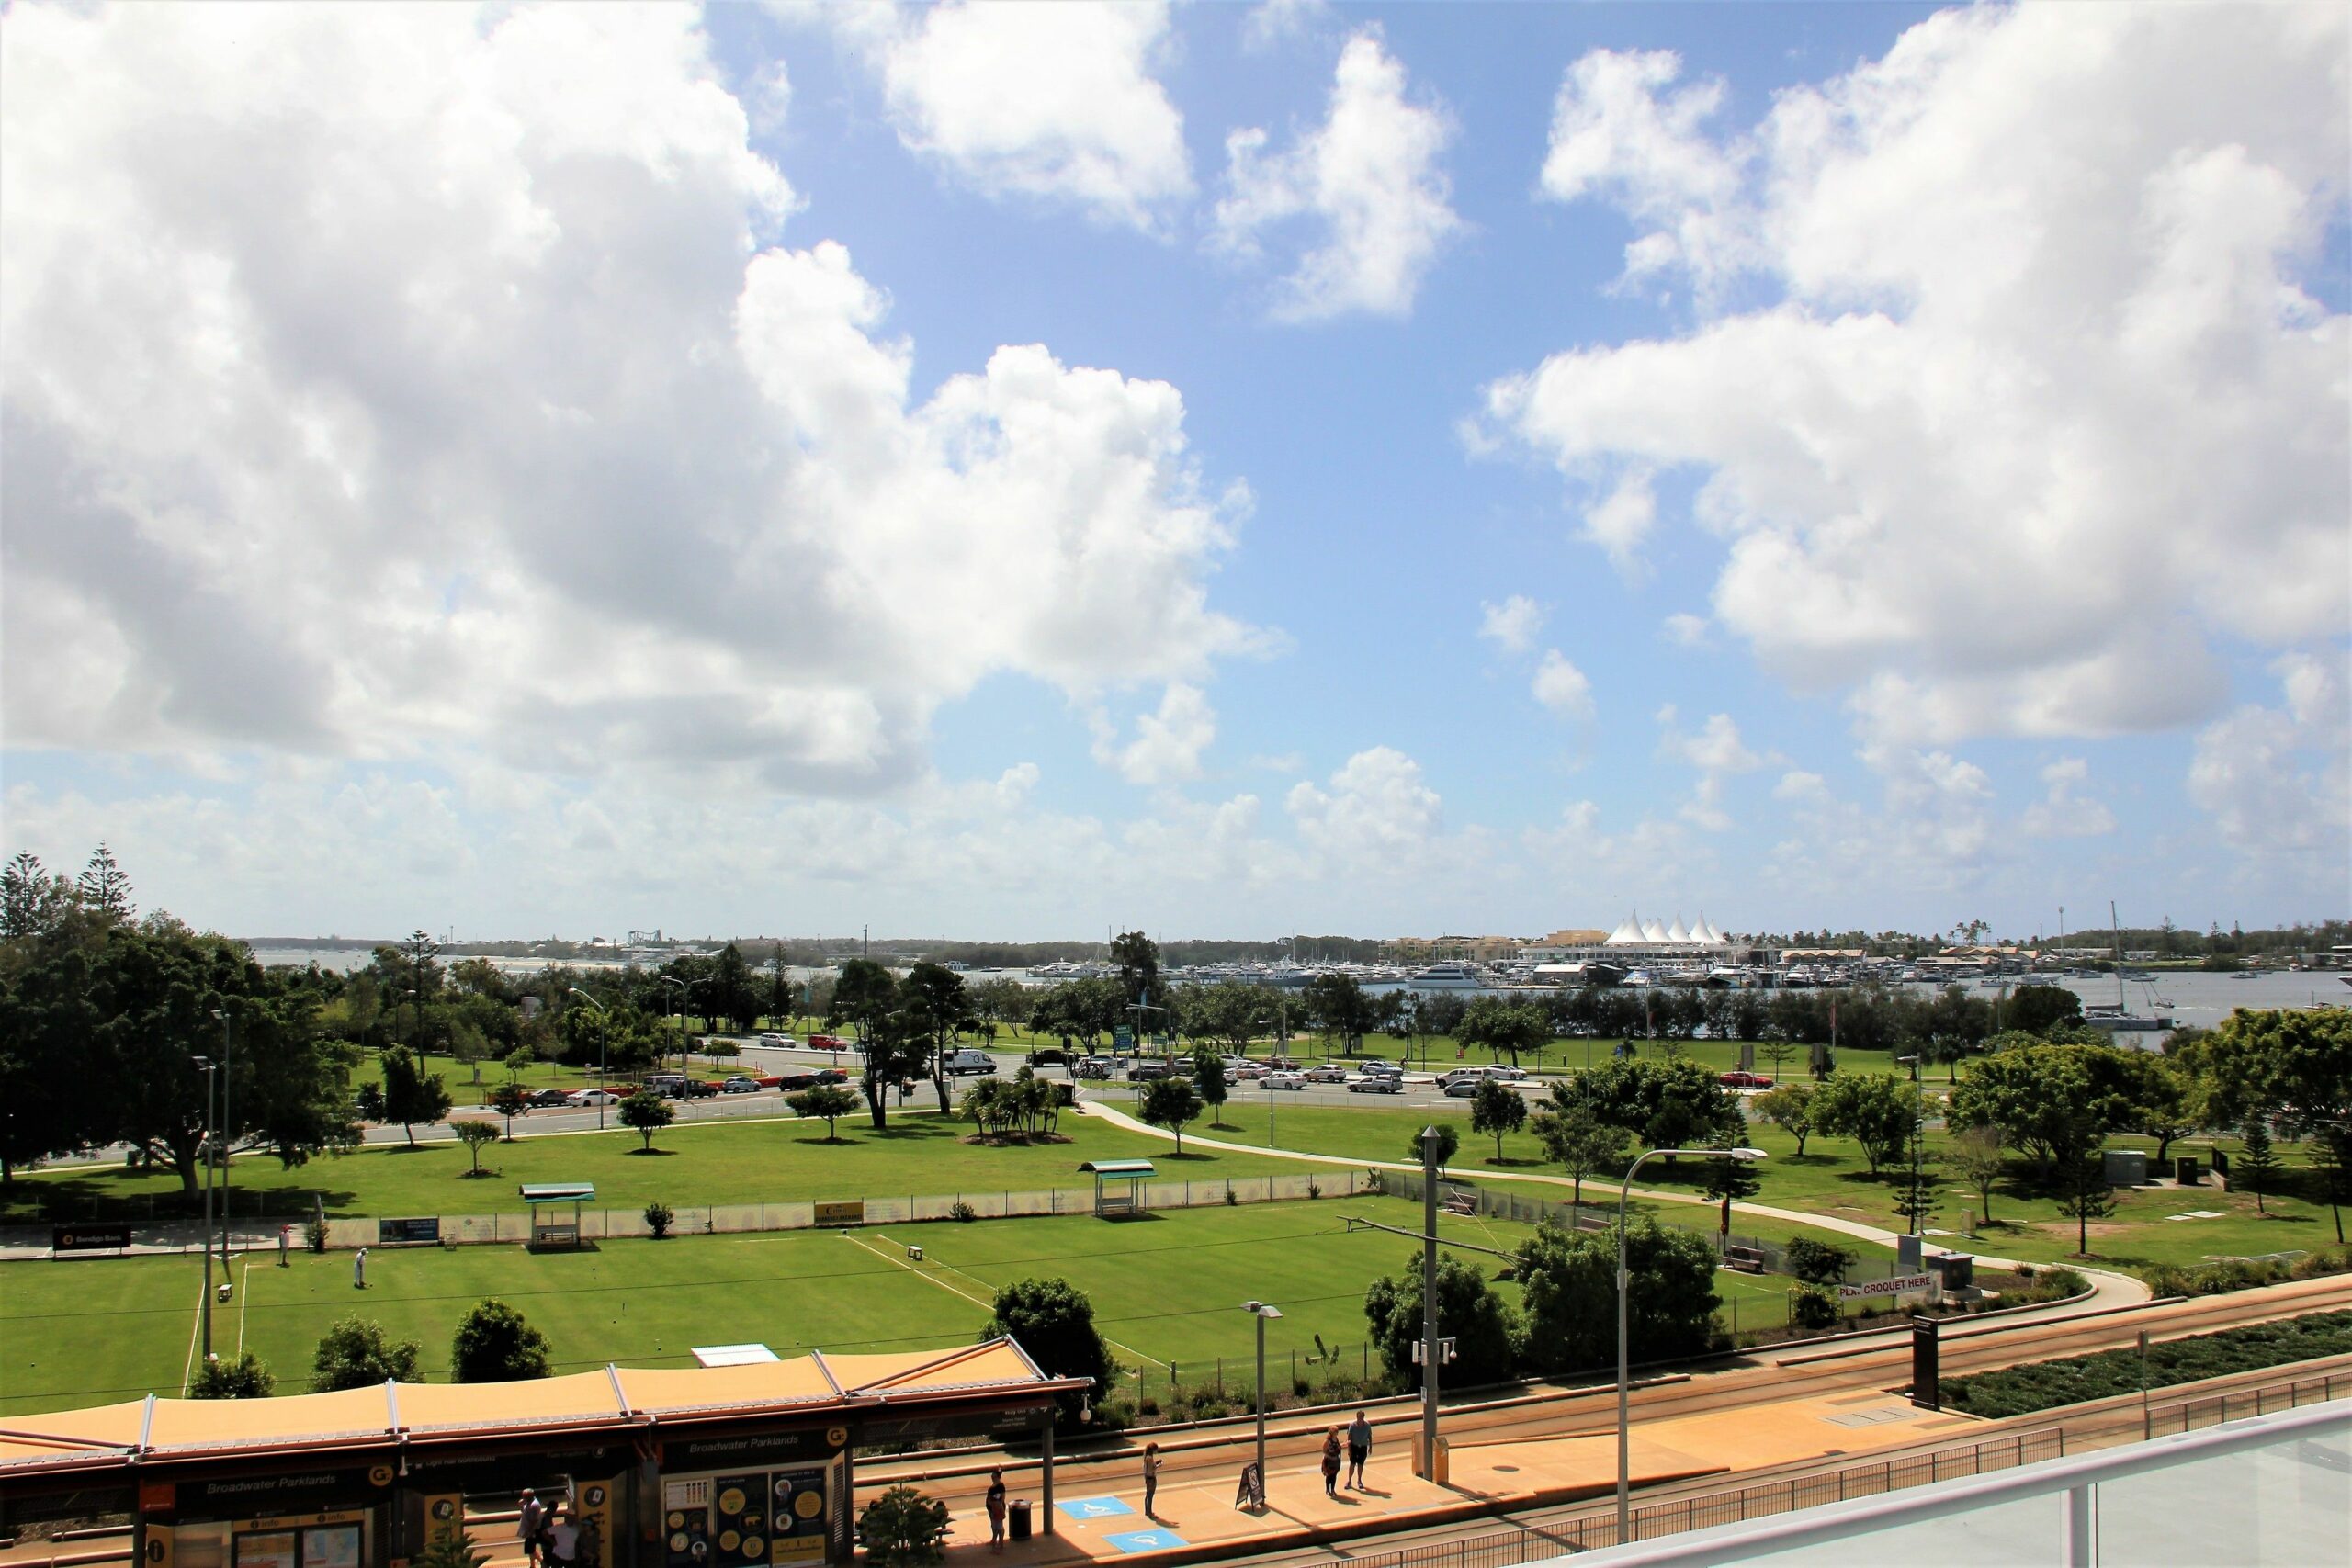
[(227, 1133), (204, 1307), (1624, 1278), (1430, 1146), (604, 1040)]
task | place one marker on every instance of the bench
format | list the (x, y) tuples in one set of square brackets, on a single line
[(1746, 1260), (1462, 1203)]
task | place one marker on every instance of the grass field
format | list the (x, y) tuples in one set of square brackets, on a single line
[(693, 1163), (1166, 1290)]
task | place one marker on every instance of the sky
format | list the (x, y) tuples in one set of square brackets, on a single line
[(1014, 470)]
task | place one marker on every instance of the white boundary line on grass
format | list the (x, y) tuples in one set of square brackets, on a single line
[(196, 1326), (950, 1268), (244, 1299)]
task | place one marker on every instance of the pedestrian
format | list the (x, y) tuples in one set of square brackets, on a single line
[(528, 1518), (1331, 1462), (563, 1539), (360, 1270), (996, 1510), (1359, 1450), (1150, 1478), (285, 1244), (1252, 1492)]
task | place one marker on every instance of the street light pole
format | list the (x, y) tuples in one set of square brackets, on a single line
[(604, 1040), (1918, 1139), (674, 980), (1624, 1277), (1262, 1312), (227, 1133)]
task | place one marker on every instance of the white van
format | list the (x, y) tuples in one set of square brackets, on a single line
[(960, 1063)]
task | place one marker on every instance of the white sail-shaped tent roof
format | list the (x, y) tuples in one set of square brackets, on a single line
[(1651, 930), (1627, 934), (1678, 932), (1708, 934)]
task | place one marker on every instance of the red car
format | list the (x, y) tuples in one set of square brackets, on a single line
[(1745, 1080), (827, 1042)]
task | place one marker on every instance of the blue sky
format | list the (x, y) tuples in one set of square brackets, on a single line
[(1000, 470)]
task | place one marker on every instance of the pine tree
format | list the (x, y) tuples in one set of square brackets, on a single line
[(103, 887), (2086, 1197), (2257, 1167)]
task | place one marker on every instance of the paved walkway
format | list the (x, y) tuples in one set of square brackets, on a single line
[(1101, 1505), (2108, 1290)]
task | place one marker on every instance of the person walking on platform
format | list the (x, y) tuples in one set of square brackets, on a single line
[(1359, 1450), (1331, 1462), (1150, 1478), (996, 1510)]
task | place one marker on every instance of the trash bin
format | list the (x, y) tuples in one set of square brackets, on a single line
[(1016, 1515)]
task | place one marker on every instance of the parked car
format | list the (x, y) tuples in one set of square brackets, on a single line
[(960, 1063), (740, 1085), (1283, 1078), (1327, 1072), (1744, 1081), (1146, 1071), (778, 1040), (1374, 1083), (552, 1097), (594, 1097)]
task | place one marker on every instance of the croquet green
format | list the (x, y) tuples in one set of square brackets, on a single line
[(1167, 1289)]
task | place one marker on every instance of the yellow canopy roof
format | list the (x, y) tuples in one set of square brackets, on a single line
[(611, 1398)]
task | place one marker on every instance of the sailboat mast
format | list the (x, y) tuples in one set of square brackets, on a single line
[(2120, 1005)]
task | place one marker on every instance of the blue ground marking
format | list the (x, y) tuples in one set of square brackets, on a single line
[(1146, 1540), (1093, 1507)]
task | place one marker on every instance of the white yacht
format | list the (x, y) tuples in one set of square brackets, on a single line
[(1449, 976)]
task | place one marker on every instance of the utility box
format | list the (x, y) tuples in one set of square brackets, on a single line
[(2188, 1170), (1953, 1270), (2126, 1167), (1907, 1254)]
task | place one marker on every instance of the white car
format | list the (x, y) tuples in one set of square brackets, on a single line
[(1244, 1072), (778, 1040), (594, 1097), (1375, 1083), (1285, 1079), (1327, 1072), (1420, 1080)]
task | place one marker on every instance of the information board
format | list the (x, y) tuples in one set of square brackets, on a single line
[(89, 1238), (851, 1212), (391, 1233)]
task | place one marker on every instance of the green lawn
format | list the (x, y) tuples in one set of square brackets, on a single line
[(1167, 1289), (693, 1164)]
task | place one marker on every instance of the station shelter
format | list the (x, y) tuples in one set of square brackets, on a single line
[(745, 1466), (1118, 1187)]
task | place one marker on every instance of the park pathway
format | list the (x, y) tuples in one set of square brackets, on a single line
[(2108, 1290)]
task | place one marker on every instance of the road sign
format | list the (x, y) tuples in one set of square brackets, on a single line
[(1092, 1507)]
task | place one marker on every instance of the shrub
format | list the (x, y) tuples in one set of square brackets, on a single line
[(453, 1548), (1231, 1196), (1313, 1188), (1817, 1262), (904, 1528), (961, 1212), (244, 1378), (354, 1354), (659, 1217), (494, 1345), (314, 1234), (1812, 1308)]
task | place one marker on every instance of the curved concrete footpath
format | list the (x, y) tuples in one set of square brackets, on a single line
[(2108, 1290)]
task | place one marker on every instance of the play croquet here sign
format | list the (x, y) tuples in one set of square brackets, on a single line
[(1901, 1285)]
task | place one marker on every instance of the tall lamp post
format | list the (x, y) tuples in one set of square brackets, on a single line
[(1431, 1353), (206, 1066), (604, 1040), (1918, 1138), (1624, 1278), (674, 980), (1262, 1312), (227, 1133)]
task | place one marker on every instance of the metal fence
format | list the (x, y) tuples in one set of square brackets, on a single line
[(740, 1219)]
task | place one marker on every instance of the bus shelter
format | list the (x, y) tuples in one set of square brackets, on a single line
[(734, 1467), (551, 1228), (1118, 1187)]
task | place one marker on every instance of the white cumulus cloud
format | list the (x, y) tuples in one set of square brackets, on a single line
[(1052, 100), (2064, 812), (2037, 409), (1562, 687), (2278, 781), (1377, 806), (415, 379), (1513, 624), (1168, 744), (1367, 185)]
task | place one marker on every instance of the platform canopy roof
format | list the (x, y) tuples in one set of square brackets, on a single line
[(610, 1401)]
